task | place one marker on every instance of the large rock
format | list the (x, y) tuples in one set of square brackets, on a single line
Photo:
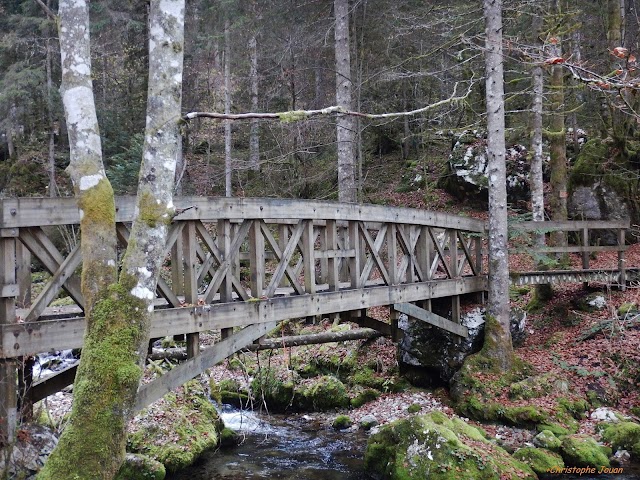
[(439, 448), (33, 445), (598, 202), (468, 178), (431, 353)]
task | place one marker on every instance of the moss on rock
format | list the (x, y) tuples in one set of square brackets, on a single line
[(436, 447), (625, 435), (140, 467), (193, 428), (271, 390), (324, 393), (584, 451), (547, 440), (341, 422), (539, 459), (367, 395)]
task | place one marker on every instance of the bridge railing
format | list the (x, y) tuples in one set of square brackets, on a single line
[(584, 238)]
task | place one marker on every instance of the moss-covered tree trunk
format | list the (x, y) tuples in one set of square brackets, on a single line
[(118, 310), (497, 344)]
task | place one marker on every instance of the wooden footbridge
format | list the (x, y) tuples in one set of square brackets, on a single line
[(241, 266)]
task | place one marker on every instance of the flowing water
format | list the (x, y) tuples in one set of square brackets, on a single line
[(293, 447)]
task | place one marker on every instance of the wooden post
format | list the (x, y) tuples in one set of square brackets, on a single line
[(25, 389), (8, 379), (256, 259), (621, 260), (477, 247), (331, 243), (190, 281), (283, 240), (177, 276), (455, 273), (226, 288), (23, 274), (392, 248), (585, 254)]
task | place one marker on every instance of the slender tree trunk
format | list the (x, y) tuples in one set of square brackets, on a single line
[(52, 127), (254, 134), (118, 310), (345, 130), (227, 108), (557, 146), (497, 344), (536, 180)]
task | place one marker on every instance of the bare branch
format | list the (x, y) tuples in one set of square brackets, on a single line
[(297, 115), (50, 13)]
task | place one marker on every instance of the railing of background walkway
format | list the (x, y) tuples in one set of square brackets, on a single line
[(584, 238)]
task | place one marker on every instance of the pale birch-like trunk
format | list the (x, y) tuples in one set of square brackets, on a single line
[(497, 343), (345, 130), (227, 108), (536, 179), (118, 310)]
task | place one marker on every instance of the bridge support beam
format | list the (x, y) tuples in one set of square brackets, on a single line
[(8, 367)]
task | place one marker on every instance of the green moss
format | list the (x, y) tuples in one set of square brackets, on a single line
[(98, 205), (546, 439), (627, 308), (414, 408), (275, 393), (341, 422), (576, 408), (229, 438), (367, 378), (194, 428), (539, 459), (554, 428), (141, 467), (326, 392), (153, 213), (290, 117), (524, 415), (435, 447), (363, 397), (583, 451), (623, 435)]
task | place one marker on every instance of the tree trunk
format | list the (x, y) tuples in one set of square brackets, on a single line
[(557, 147), (254, 134), (345, 131), (536, 180), (497, 344), (227, 108), (51, 169), (118, 313)]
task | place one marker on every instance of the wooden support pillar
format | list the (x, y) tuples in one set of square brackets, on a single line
[(394, 315), (8, 370), (585, 254), (331, 243), (190, 281), (392, 248), (477, 247), (283, 240), (226, 288), (23, 275), (324, 263), (622, 263), (257, 259), (309, 261), (455, 273), (177, 276)]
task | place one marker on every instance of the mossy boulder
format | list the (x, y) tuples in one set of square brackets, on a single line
[(341, 422), (271, 390), (539, 459), (365, 396), (230, 392), (623, 435), (192, 429), (547, 440), (436, 447), (584, 451), (140, 467), (323, 393)]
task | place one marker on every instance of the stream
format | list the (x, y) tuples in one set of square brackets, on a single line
[(282, 447)]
